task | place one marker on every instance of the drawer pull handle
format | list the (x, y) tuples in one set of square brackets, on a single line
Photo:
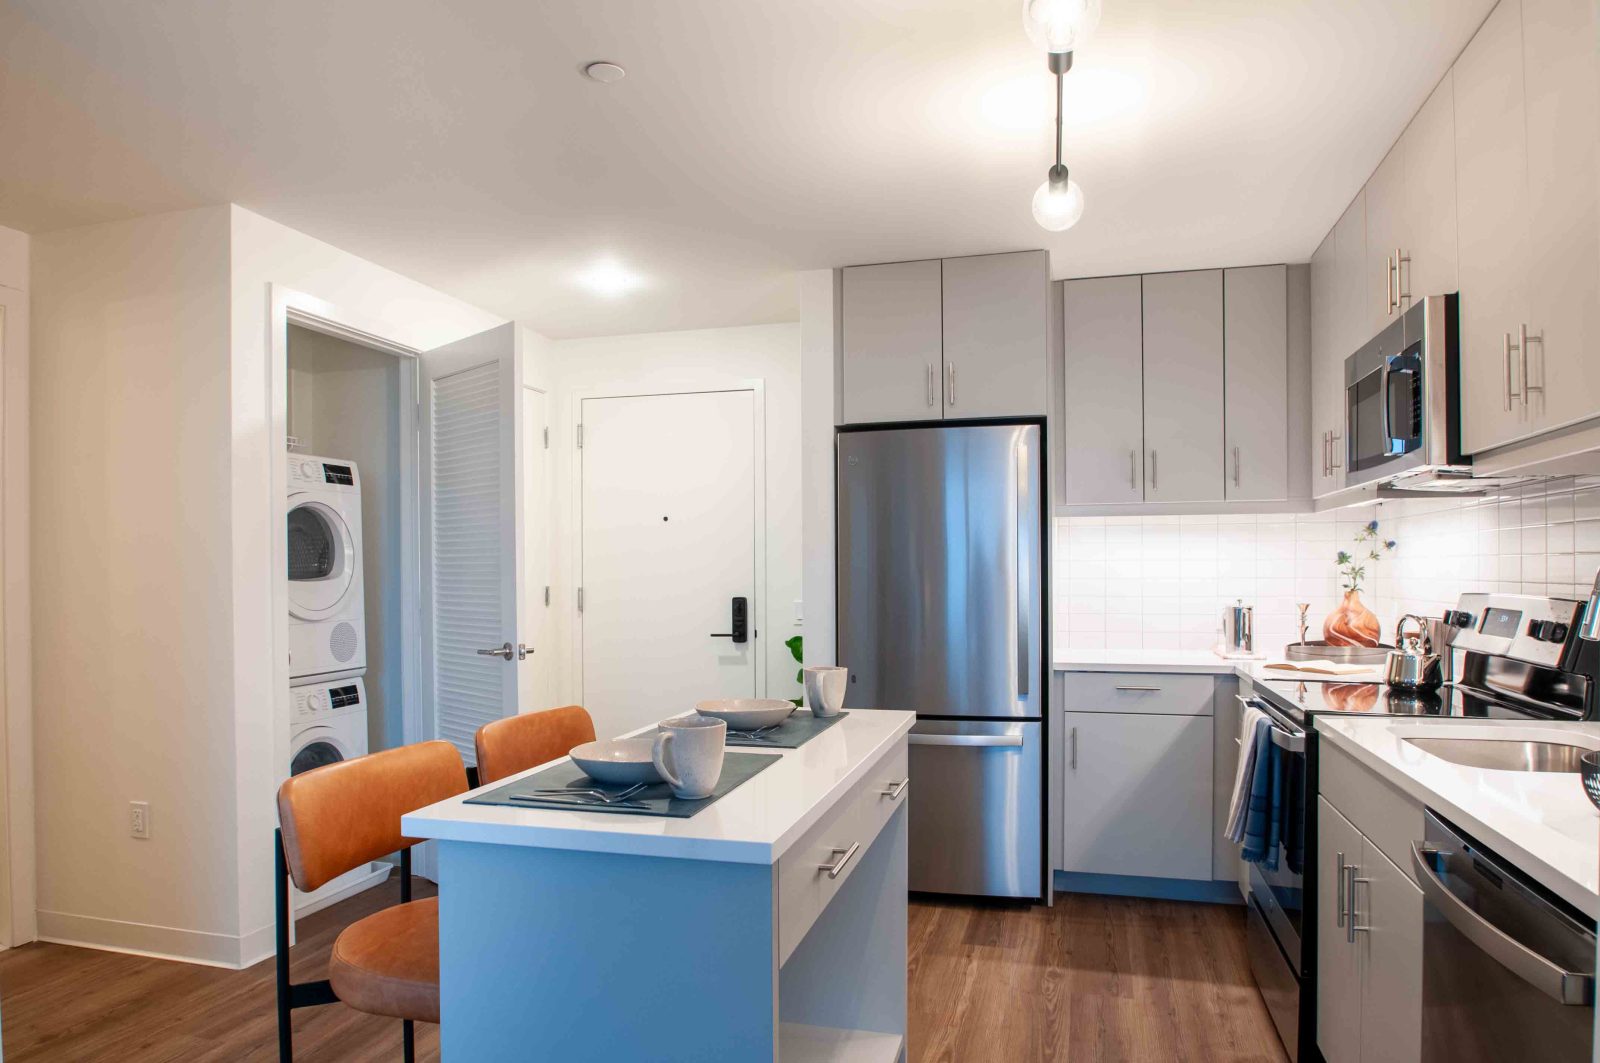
[(895, 789), (1140, 690), (837, 867)]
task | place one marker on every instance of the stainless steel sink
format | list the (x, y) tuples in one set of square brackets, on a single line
[(1502, 754)]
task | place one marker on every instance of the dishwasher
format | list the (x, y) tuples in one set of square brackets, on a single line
[(1508, 969)]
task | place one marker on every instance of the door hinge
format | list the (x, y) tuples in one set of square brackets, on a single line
[(547, 439), (580, 437), (547, 595), (580, 599)]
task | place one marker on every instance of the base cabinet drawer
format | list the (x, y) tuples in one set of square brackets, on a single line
[(1157, 694), (816, 866)]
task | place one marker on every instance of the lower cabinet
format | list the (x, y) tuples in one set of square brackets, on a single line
[(1369, 949), (1137, 795)]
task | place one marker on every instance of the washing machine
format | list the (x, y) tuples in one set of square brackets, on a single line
[(328, 724), (327, 622)]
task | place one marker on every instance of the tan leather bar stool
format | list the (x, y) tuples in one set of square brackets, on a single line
[(336, 818), (518, 743)]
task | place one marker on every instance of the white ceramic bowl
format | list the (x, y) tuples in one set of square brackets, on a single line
[(746, 714), (617, 761)]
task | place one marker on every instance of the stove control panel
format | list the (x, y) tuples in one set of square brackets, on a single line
[(1535, 630)]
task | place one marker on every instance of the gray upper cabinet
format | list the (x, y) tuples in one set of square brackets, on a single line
[(1183, 386), (1103, 337), (961, 337), (995, 355), (892, 368), (1256, 392), (1430, 195), (1327, 371)]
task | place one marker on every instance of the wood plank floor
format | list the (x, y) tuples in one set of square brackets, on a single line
[(1093, 979)]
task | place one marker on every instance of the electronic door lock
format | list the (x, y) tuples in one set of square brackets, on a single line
[(740, 622)]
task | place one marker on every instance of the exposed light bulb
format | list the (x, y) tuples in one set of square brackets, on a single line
[(1060, 25), (1058, 204)]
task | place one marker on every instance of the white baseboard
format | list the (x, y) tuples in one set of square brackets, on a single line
[(139, 939)]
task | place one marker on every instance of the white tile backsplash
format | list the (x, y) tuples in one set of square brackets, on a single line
[(1162, 582)]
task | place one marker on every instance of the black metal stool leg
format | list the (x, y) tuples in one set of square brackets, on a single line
[(410, 1036)]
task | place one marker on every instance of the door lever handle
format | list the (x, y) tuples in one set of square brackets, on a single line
[(740, 614), (506, 651)]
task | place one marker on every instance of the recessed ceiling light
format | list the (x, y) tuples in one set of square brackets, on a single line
[(609, 277), (604, 72)]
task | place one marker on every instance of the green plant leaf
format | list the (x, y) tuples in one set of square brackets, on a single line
[(795, 644)]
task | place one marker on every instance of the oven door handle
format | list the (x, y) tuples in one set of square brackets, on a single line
[(1559, 984), (1285, 738)]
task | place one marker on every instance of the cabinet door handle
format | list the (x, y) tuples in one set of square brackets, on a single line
[(1139, 690), (895, 789), (950, 388), (1236, 466), (1133, 469), (1324, 454), (1152, 470), (835, 868), (1350, 927), (1342, 895), (927, 381), (1523, 340), (1333, 452), (1389, 285), (1073, 739), (1511, 392), (1401, 260)]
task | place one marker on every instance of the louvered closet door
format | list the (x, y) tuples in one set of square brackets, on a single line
[(470, 465)]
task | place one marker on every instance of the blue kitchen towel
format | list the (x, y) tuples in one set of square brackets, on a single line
[(1263, 821)]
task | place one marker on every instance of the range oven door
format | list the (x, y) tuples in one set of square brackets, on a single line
[(1278, 909)]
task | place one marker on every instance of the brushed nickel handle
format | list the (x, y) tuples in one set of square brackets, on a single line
[(1401, 260), (1133, 469), (836, 867), (1140, 690), (1333, 452), (950, 371), (927, 381), (1074, 739), (1390, 287), (505, 651), (1325, 472), (1523, 340), (895, 789), (1351, 929), (1511, 393), (1342, 895), (1236, 466), (1152, 470)]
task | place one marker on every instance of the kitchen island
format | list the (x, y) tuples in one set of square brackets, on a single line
[(769, 926)]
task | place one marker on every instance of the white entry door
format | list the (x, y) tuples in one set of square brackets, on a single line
[(670, 508), (536, 688), (470, 458)]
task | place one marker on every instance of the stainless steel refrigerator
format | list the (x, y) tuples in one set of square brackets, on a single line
[(940, 611)]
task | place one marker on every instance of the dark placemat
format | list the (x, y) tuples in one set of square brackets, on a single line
[(653, 800), (792, 733)]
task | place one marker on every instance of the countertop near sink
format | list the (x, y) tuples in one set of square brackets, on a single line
[(1193, 662), (1539, 821)]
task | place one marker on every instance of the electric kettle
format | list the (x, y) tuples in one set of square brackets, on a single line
[(1412, 665)]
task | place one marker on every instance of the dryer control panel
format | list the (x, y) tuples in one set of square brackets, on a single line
[(308, 469)]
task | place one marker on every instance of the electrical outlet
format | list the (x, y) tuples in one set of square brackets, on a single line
[(139, 818)]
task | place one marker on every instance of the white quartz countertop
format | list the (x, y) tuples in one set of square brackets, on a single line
[(754, 824), (1540, 822), (1195, 662)]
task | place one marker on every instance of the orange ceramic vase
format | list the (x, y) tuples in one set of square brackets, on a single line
[(1351, 624)]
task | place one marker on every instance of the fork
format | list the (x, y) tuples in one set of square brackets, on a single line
[(599, 795)]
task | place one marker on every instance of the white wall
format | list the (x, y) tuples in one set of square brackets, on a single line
[(345, 403), (17, 923), (133, 650), (357, 293), (675, 361)]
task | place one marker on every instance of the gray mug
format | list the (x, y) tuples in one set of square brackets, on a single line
[(688, 754)]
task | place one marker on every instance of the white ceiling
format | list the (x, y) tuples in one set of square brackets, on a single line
[(458, 143)]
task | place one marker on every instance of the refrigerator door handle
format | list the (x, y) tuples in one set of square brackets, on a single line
[(1024, 583), (1012, 741)]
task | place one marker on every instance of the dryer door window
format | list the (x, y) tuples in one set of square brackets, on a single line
[(321, 560), (315, 755)]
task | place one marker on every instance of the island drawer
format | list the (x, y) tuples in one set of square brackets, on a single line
[(838, 840)]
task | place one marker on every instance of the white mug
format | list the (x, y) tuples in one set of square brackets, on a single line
[(688, 754), (825, 689)]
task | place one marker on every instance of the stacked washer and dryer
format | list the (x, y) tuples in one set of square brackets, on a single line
[(327, 622)]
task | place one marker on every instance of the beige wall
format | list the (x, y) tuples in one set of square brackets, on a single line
[(676, 361), (132, 649), (17, 923)]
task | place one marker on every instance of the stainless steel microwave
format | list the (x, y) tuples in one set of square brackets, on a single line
[(1402, 403)]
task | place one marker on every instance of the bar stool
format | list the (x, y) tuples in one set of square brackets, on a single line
[(518, 743), (336, 818)]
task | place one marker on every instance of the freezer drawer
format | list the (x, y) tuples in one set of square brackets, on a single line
[(976, 812)]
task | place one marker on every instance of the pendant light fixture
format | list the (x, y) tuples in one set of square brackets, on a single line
[(1059, 26)]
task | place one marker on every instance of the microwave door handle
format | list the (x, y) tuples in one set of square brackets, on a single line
[(1384, 375)]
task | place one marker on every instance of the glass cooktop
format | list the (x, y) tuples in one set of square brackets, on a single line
[(1375, 699)]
